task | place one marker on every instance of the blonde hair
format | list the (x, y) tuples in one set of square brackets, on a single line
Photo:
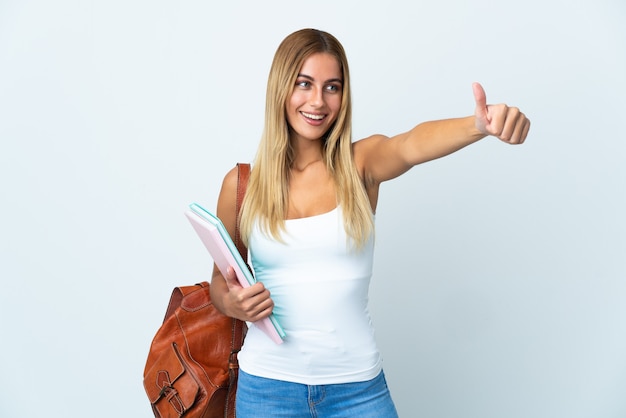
[(266, 199)]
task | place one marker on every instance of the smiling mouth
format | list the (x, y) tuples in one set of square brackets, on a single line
[(312, 116)]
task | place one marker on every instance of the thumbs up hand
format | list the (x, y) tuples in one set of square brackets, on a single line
[(506, 123)]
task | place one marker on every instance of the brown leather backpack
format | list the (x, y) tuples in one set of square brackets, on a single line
[(192, 367)]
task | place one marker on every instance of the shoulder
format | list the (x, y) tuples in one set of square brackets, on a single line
[(370, 140), (230, 179), (364, 146), (228, 192)]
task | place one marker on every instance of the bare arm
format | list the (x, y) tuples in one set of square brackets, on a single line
[(380, 158), (249, 304)]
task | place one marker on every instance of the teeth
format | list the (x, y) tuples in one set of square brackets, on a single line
[(314, 117)]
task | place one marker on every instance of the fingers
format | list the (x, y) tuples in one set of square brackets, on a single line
[(250, 303), (231, 279), (479, 96), (513, 126), (253, 303), (506, 123), (482, 112), (520, 131)]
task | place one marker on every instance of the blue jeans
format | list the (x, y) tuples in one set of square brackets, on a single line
[(258, 397)]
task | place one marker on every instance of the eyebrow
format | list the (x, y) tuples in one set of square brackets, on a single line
[(332, 80)]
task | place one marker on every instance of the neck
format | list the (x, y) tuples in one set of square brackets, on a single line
[(301, 165), (306, 154)]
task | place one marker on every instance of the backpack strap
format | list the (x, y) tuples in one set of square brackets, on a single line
[(243, 175)]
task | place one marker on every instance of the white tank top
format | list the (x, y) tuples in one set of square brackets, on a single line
[(319, 285)]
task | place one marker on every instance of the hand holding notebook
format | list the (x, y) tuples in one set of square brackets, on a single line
[(220, 245)]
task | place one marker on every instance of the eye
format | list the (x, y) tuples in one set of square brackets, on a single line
[(302, 83), (333, 88)]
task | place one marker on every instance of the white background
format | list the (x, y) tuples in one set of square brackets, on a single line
[(498, 288)]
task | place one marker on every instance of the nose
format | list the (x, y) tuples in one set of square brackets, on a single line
[(316, 99)]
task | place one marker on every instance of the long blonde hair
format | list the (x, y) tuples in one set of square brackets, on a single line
[(267, 196)]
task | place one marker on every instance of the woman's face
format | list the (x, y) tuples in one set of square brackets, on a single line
[(316, 99)]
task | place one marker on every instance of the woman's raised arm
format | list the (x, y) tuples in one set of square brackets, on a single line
[(380, 158)]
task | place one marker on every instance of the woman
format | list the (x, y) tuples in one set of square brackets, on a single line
[(308, 221)]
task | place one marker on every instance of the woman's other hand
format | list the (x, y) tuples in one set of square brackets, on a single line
[(506, 123)]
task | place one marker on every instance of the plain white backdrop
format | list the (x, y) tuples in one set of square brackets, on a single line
[(499, 284)]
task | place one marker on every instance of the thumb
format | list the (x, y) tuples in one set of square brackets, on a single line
[(481, 99), (231, 279)]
